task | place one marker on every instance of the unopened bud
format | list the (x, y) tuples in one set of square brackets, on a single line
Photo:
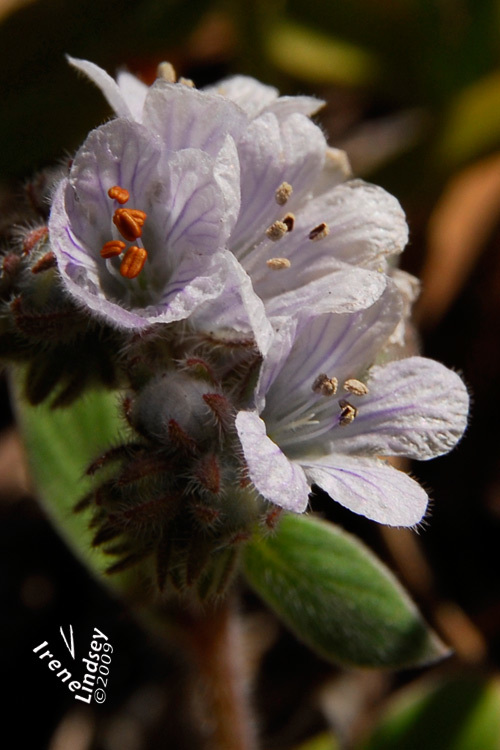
[(172, 409)]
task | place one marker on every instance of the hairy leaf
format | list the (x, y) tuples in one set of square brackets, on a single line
[(335, 595)]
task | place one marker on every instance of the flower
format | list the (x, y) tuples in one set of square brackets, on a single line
[(127, 95), (325, 415), (248, 215), (180, 207)]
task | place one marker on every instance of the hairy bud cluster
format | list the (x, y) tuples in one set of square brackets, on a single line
[(40, 324), (177, 406), (177, 497), (247, 375)]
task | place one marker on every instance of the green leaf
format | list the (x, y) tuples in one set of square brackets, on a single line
[(471, 126), (323, 741), (335, 595), (60, 444), (461, 714), (317, 57)]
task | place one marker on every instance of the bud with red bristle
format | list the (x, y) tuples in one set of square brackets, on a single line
[(172, 408), (208, 473), (199, 368), (221, 409)]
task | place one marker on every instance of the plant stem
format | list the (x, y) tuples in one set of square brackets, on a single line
[(215, 642)]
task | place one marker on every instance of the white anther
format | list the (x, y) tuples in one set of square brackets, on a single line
[(278, 264), (276, 231), (283, 193), (319, 232), (338, 160), (356, 387), (324, 385), (348, 413), (289, 221), (166, 72)]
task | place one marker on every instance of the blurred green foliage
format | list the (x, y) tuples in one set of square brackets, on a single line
[(436, 55), (457, 714), (323, 741), (440, 57), (60, 445)]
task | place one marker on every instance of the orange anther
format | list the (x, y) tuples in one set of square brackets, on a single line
[(129, 222), (133, 262), (119, 194), (112, 248)]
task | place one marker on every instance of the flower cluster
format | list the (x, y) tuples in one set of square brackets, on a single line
[(251, 284)]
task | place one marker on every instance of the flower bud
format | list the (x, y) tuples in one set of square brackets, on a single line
[(172, 410)]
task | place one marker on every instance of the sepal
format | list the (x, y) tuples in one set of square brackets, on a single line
[(334, 595)]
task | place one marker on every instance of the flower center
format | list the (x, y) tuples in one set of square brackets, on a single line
[(325, 386), (129, 222)]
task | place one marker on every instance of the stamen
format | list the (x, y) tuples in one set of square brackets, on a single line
[(348, 413), (283, 193), (119, 194), (356, 387), (276, 231), (112, 248), (166, 72), (129, 222), (289, 221), (319, 232), (278, 264), (324, 385), (133, 262), (187, 82), (338, 160)]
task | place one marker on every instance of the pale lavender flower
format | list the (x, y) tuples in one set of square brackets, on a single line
[(325, 415), (243, 176), (188, 199)]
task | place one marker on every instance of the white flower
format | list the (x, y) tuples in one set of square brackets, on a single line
[(326, 416), (269, 193)]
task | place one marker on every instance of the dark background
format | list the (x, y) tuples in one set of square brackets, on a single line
[(413, 96)]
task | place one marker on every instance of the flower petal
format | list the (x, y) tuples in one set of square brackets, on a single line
[(276, 478), (287, 105), (284, 332), (339, 345), (403, 338), (116, 97), (255, 97), (120, 152), (336, 169), (189, 214), (227, 176), (415, 407), (183, 117), (133, 91), (272, 152), (237, 312), (366, 224), (194, 282), (183, 230), (246, 92), (370, 488), (79, 271), (333, 288)]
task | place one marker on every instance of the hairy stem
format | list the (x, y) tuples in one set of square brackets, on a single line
[(215, 642)]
